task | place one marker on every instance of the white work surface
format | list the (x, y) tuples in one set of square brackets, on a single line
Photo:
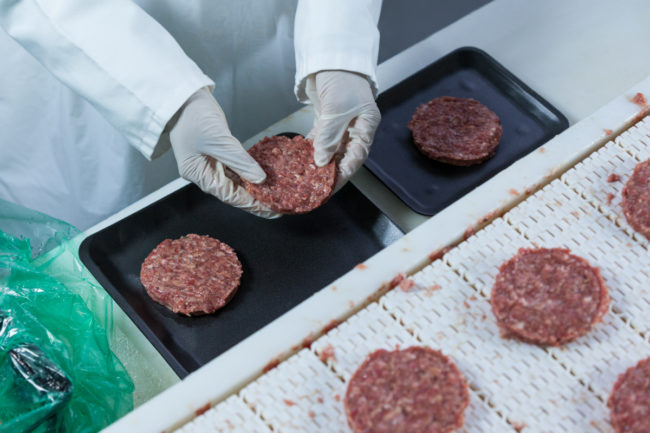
[(579, 55)]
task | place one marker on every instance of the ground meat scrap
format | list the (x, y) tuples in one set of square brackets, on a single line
[(548, 296), (192, 275), (456, 131), (294, 184), (415, 390)]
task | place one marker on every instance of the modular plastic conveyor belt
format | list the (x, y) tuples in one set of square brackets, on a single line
[(514, 386)]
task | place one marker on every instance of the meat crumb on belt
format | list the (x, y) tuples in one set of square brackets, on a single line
[(519, 426), (639, 99), (331, 325), (397, 279), (471, 231), (327, 353), (271, 365), (406, 285), (613, 178), (439, 253), (203, 409)]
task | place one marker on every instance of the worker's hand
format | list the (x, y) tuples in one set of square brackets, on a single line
[(346, 119), (204, 149)]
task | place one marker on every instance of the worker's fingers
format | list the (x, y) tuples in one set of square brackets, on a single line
[(312, 133), (210, 175), (311, 91), (229, 151), (202, 129), (330, 131), (332, 128), (361, 134)]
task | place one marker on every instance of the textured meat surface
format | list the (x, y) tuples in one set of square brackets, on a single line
[(294, 184), (192, 275), (456, 131), (629, 402), (636, 199), (548, 296), (415, 390)]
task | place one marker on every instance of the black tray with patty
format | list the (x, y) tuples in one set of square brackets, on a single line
[(284, 262), (428, 186)]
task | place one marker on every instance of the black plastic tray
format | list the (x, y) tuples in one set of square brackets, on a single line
[(427, 186), (285, 261)]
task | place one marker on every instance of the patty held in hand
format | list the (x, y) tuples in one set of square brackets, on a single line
[(457, 131), (294, 184)]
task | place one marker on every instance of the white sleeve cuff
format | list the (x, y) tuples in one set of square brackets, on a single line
[(344, 61), (153, 139), (336, 35)]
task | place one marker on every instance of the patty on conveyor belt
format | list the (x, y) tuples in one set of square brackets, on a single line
[(458, 131), (636, 199), (629, 402), (294, 184), (415, 390), (548, 296), (192, 275)]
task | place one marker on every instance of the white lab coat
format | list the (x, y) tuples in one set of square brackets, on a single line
[(88, 86)]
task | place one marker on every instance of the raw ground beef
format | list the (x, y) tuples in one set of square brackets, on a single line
[(192, 275), (456, 131), (294, 184), (636, 199), (415, 390), (548, 296), (629, 402)]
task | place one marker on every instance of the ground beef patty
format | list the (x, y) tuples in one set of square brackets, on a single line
[(192, 275), (456, 131), (629, 402), (636, 199), (548, 296), (294, 184), (415, 390)]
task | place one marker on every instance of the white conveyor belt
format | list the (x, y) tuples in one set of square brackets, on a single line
[(514, 386)]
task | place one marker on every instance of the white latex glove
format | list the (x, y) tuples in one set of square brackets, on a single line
[(204, 147), (343, 102)]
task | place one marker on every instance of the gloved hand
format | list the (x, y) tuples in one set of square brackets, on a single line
[(346, 119), (204, 147)]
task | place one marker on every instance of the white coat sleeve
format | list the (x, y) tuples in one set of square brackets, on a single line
[(336, 34), (115, 56)]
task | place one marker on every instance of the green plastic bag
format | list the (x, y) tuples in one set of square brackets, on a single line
[(57, 372)]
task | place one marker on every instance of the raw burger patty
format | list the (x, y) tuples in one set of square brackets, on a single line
[(629, 402), (192, 275), (636, 199), (548, 296), (416, 390), (294, 184), (456, 131)]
